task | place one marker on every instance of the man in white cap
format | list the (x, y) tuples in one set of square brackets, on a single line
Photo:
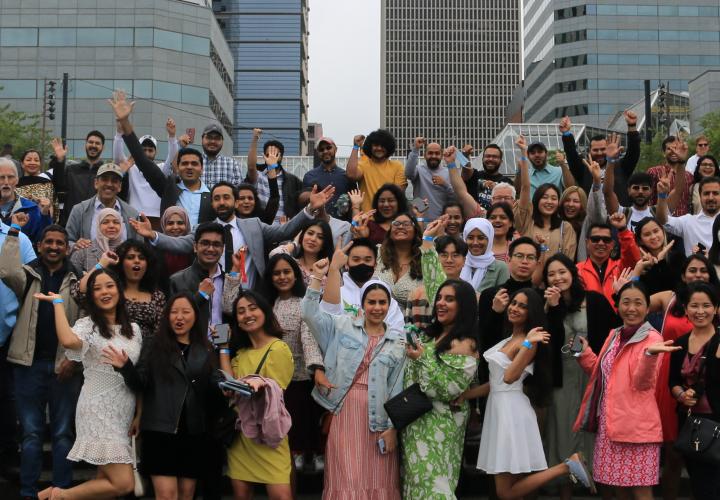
[(140, 194)]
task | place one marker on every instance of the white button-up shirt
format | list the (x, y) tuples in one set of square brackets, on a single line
[(238, 240), (693, 229)]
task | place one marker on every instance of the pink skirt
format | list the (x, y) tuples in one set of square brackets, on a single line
[(354, 467)]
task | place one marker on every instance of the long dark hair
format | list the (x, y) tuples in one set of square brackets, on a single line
[(164, 342), (539, 384), (555, 219), (148, 283), (577, 289), (257, 209), (641, 225), (507, 209), (240, 339), (399, 196), (465, 326), (98, 317), (696, 175), (388, 254), (681, 294), (328, 247), (298, 289)]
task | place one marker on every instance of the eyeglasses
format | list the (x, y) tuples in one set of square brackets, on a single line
[(528, 257), (402, 223), (212, 244), (703, 144), (707, 164), (446, 255), (521, 305), (598, 239)]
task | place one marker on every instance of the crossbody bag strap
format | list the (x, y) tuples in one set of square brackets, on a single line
[(262, 361), (356, 377)]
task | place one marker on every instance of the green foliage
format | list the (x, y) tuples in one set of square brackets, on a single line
[(22, 130), (711, 129), (651, 154)]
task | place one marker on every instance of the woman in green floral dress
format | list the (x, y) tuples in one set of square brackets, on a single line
[(444, 364)]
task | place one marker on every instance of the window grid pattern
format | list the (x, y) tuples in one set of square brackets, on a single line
[(450, 69)]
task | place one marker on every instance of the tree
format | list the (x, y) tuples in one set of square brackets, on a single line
[(21, 130), (651, 154), (711, 129)]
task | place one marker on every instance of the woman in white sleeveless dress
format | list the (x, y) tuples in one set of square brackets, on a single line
[(510, 446)]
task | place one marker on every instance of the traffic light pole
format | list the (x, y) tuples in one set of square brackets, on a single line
[(63, 118)]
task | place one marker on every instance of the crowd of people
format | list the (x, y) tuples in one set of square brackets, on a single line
[(574, 306)]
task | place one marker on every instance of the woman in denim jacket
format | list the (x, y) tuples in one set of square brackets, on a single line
[(364, 360)]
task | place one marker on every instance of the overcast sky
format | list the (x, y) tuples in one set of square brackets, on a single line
[(344, 68)]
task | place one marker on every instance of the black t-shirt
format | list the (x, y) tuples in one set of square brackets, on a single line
[(484, 196)]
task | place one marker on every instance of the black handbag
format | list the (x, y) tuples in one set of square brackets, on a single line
[(699, 439), (409, 405)]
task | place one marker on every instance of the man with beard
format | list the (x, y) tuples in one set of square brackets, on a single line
[(693, 229), (671, 171), (430, 182), (543, 173), (32, 217), (326, 174), (490, 175), (43, 376), (74, 181), (375, 168), (217, 167), (598, 151), (360, 262), (639, 190), (599, 271)]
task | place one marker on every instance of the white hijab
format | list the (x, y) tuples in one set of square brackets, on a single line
[(374, 281), (476, 266)]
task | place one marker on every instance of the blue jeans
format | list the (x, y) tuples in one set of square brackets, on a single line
[(37, 387)]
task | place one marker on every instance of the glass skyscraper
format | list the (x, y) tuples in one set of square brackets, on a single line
[(268, 41)]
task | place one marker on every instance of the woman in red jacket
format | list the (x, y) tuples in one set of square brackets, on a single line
[(619, 402)]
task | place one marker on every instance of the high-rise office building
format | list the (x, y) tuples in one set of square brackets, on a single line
[(589, 61), (170, 55), (448, 68), (268, 40)]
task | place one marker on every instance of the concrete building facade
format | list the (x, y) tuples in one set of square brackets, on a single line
[(589, 60), (169, 55), (268, 40), (448, 69)]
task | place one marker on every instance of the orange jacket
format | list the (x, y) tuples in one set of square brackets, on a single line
[(590, 277), (631, 410)]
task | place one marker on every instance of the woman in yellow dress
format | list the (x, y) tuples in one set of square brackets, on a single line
[(256, 332)]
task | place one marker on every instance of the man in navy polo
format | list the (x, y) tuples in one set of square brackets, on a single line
[(327, 173)]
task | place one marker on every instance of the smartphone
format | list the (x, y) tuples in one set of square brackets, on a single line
[(701, 247), (222, 334), (191, 134), (381, 446), (420, 205), (411, 339), (576, 346)]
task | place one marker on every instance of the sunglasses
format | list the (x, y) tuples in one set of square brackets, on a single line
[(598, 239), (703, 145)]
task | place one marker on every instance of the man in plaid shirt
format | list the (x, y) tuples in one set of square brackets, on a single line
[(217, 167)]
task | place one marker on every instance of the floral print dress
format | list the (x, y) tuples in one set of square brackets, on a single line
[(433, 444)]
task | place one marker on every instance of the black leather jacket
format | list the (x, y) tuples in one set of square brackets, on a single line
[(190, 385)]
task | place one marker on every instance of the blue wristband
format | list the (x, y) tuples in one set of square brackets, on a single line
[(233, 274), (355, 223), (452, 165), (225, 351), (58, 301), (15, 226), (204, 295), (422, 219), (544, 248), (523, 158), (635, 278), (98, 267), (428, 238), (527, 344), (273, 166), (566, 133), (663, 196), (355, 147)]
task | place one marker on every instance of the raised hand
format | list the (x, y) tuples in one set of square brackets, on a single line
[(359, 228), (59, 149), (318, 199), (126, 164), (20, 218), (114, 356), (501, 301), (620, 280), (109, 259), (436, 227), (618, 221), (256, 133), (358, 140), (613, 149), (170, 127), (320, 268), (120, 105), (663, 185), (521, 143), (449, 154), (680, 148), (47, 297), (564, 124), (666, 346), (552, 296), (142, 227), (630, 118), (646, 262), (238, 259), (661, 255), (538, 335), (356, 198), (340, 258), (419, 142), (559, 156), (45, 206), (184, 140), (206, 286), (594, 168), (272, 155)]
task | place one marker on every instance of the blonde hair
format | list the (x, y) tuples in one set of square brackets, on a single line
[(583, 200)]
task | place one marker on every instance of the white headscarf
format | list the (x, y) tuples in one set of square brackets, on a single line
[(374, 281), (475, 266)]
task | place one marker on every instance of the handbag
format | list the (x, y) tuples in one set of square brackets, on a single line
[(406, 407), (699, 439), (139, 489)]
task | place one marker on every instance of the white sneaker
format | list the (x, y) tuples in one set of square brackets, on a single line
[(299, 460), (319, 463)]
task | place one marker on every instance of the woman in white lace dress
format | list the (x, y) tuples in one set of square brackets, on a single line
[(106, 406)]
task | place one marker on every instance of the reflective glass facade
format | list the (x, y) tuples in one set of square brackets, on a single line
[(268, 41)]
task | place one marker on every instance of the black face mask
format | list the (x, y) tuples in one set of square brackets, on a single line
[(361, 273)]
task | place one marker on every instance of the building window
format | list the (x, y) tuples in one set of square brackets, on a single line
[(58, 37), (19, 37), (18, 89)]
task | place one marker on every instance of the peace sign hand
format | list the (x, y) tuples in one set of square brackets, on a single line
[(340, 258), (594, 168), (663, 253)]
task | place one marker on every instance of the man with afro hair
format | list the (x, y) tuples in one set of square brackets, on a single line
[(375, 168)]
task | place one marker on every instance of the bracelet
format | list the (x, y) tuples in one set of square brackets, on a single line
[(204, 295), (451, 166), (355, 147), (273, 166), (428, 238), (225, 351), (233, 274), (313, 277), (58, 301), (355, 223), (422, 219), (98, 267), (527, 344), (611, 160), (523, 158), (566, 133), (16, 226), (635, 278), (663, 196), (544, 248), (679, 395)]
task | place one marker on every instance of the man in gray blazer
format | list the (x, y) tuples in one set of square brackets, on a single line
[(108, 183), (250, 233)]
